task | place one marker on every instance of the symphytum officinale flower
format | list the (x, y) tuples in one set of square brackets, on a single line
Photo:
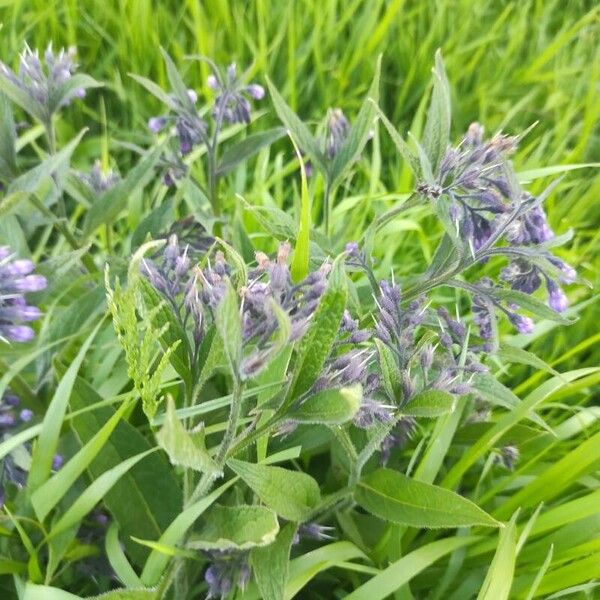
[(16, 280), (48, 83)]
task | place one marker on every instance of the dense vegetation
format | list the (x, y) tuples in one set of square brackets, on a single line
[(293, 303)]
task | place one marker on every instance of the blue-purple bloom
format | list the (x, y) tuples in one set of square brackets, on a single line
[(99, 180), (228, 570), (46, 84), (232, 103), (16, 280)]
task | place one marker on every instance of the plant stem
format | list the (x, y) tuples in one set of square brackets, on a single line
[(326, 208)]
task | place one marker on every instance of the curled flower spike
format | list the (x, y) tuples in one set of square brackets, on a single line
[(232, 103), (228, 570), (98, 180), (47, 82), (16, 280)]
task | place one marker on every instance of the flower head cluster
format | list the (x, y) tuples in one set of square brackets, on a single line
[(194, 293), (10, 413), (16, 280), (232, 103), (228, 570), (99, 180), (487, 206), (47, 85), (189, 128)]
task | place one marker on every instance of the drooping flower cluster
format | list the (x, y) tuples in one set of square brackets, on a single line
[(232, 103), (228, 570), (16, 280), (99, 180), (194, 292), (487, 206), (47, 85), (191, 129)]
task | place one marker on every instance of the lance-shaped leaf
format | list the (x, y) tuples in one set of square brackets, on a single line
[(392, 496), (234, 154), (183, 447), (8, 136), (437, 126), (329, 407), (291, 494), (79, 81), (271, 564), (301, 256), (389, 371), (107, 207), (430, 404), (299, 131), (236, 528), (316, 344), (359, 133)]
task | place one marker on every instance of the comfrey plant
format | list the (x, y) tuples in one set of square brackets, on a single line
[(294, 392), (191, 127)]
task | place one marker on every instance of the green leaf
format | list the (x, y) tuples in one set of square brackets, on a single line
[(45, 592), (498, 579), (94, 493), (271, 564), (20, 97), (250, 145), (47, 443), (236, 528), (177, 85), (107, 206), (30, 180), (359, 133), (389, 371), (403, 148), (166, 321), (317, 342), (60, 93), (402, 571), (300, 132), (117, 559), (148, 497), (48, 495), (514, 354), (299, 268), (437, 125), (499, 395), (531, 304), (128, 594), (430, 404), (229, 326), (185, 448), (155, 90), (329, 407), (8, 136), (291, 494), (175, 532), (392, 496)]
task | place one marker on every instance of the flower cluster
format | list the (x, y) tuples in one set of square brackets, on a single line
[(99, 180), (487, 205), (48, 86), (10, 414), (16, 280), (232, 103), (228, 570), (194, 292)]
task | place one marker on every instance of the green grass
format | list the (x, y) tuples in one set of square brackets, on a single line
[(510, 65)]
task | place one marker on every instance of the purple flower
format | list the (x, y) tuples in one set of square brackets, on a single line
[(26, 415), (47, 85), (57, 462), (522, 324), (557, 300), (228, 569), (16, 280), (98, 180), (338, 129), (232, 104)]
